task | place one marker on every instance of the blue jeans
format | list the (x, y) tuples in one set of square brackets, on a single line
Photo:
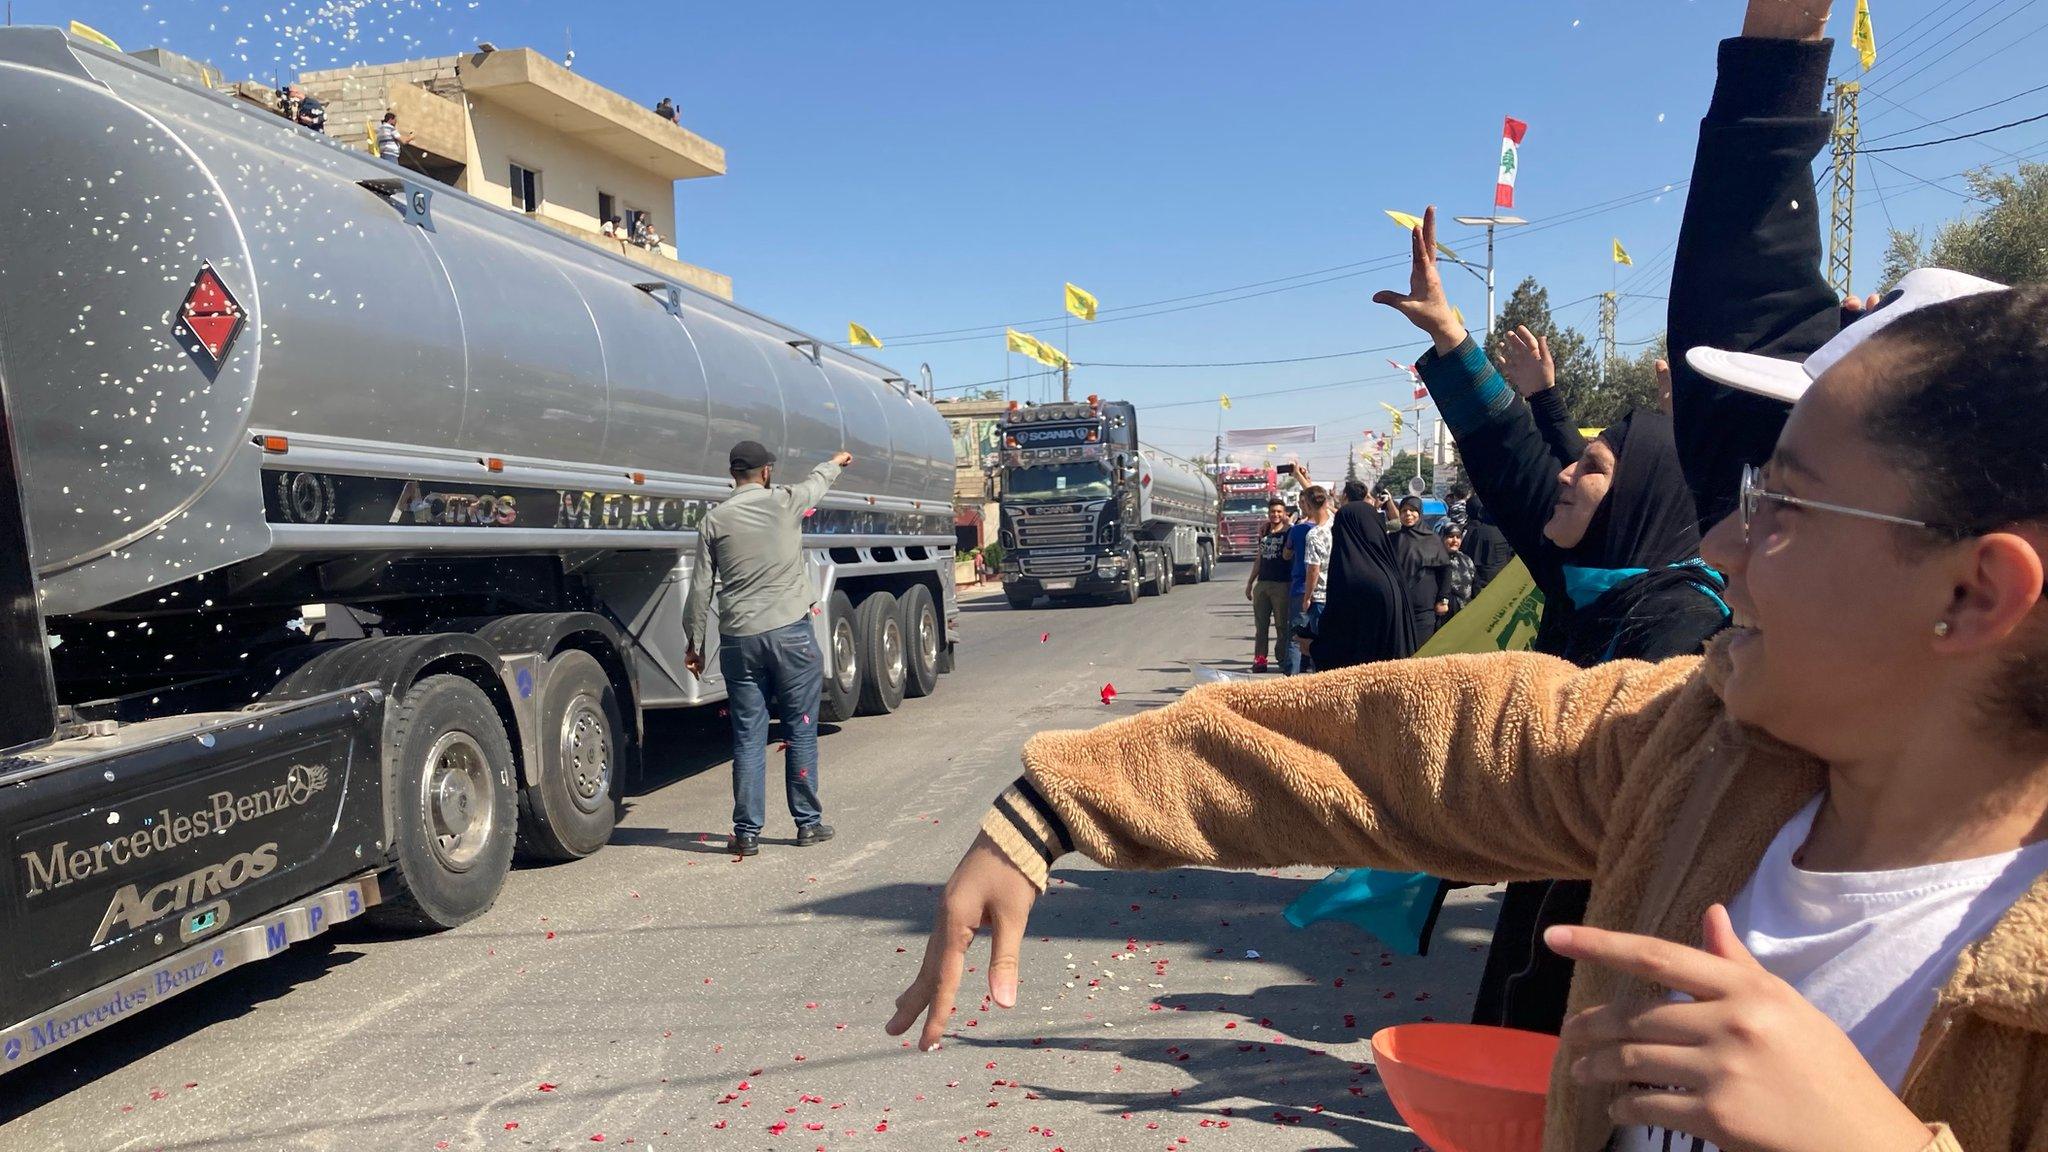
[(1297, 661), (782, 665)]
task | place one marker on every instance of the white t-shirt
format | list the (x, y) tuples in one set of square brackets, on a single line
[(1317, 552), (1869, 949)]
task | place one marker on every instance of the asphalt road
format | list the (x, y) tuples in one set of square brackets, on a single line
[(662, 994)]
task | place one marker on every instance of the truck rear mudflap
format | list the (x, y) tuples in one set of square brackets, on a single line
[(157, 856)]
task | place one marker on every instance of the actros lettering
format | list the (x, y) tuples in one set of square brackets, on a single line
[(132, 908)]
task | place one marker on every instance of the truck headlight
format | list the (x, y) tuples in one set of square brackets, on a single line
[(1109, 565)]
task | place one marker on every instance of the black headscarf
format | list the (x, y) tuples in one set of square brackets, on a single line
[(1366, 615), (1648, 519)]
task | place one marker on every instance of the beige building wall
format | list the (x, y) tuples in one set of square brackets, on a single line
[(571, 174)]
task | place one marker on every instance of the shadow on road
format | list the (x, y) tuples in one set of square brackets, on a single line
[(226, 997), (1330, 984)]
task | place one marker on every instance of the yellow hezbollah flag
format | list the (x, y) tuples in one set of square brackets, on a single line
[(1503, 618), (1621, 255), (1080, 302), (1411, 223), (1864, 37), (1037, 349), (1398, 417), (1018, 342), (858, 336), (88, 32), (1224, 400)]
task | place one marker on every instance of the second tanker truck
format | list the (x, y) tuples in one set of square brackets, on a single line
[(345, 527), (1089, 511)]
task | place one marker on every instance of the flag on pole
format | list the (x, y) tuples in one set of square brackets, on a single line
[(1225, 401), (1080, 302), (1511, 134), (1621, 255), (1864, 37), (1421, 392), (1399, 416), (1019, 343), (1028, 345), (859, 336), (88, 32)]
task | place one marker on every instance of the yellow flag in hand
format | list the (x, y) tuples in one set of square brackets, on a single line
[(1864, 37), (88, 32), (858, 336), (1225, 401), (1411, 223), (1621, 255), (1080, 302)]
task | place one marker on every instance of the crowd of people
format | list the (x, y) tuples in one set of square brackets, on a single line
[(1771, 793), (1331, 586)]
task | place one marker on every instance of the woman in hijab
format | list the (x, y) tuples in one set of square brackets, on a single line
[(1425, 571), (1366, 617), (1612, 541)]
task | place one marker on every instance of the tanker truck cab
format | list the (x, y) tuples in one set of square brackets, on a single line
[(1090, 512), (344, 539)]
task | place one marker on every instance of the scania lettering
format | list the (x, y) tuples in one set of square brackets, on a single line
[(319, 606), (1089, 511)]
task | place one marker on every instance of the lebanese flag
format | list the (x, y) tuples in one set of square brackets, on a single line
[(1511, 134), (1420, 392), (1414, 377)]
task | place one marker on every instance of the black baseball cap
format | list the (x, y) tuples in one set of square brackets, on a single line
[(748, 455)]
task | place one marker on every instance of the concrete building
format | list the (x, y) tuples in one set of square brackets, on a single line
[(519, 130), (976, 442)]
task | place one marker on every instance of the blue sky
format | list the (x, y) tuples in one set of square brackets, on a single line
[(922, 167)]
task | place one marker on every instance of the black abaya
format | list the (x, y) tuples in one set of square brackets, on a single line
[(1425, 575), (1366, 617)]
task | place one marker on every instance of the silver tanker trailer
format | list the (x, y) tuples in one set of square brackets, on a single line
[(345, 526)]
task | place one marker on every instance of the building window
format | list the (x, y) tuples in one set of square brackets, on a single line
[(607, 207), (525, 189)]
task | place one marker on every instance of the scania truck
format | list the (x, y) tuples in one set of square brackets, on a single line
[(1246, 492), (1090, 511)]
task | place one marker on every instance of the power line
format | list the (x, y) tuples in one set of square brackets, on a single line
[(1248, 363), (1992, 27), (1964, 196), (1956, 116), (1952, 139), (1345, 272)]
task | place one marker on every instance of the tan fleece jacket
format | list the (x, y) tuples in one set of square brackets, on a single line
[(1519, 766)]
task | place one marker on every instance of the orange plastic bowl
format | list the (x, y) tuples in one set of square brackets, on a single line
[(1467, 1087)]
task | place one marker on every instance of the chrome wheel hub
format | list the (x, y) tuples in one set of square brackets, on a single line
[(455, 793), (586, 753)]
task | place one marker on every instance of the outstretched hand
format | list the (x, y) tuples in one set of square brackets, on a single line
[(1526, 361), (1425, 304), (1745, 1062), (985, 891)]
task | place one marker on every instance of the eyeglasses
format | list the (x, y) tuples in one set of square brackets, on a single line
[(1754, 494)]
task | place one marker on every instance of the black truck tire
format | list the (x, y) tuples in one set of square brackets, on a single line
[(1018, 598), (455, 807), (842, 680), (1131, 589), (883, 660), (569, 812), (923, 637), (1168, 574), (1208, 563)]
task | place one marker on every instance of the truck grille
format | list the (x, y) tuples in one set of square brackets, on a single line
[(1055, 531)]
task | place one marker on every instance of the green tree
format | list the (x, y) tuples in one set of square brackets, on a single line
[(1350, 464), (2007, 241), (1395, 478), (1578, 367)]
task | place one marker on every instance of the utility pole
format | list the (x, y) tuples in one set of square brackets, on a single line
[(1842, 217), (1066, 381), (1491, 222), (1608, 303)]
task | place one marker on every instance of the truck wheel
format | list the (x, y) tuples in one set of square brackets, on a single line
[(880, 628), (455, 806), (922, 640), (842, 684), (569, 812), (1017, 597), (1208, 563), (1131, 590), (1168, 574)]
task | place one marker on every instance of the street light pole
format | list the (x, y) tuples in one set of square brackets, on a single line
[(1491, 222)]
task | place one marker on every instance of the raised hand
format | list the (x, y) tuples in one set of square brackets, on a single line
[(1663, 368), (1425, 304), (985, 891), (1746, 1063), (1786, 19), (1526, 362)]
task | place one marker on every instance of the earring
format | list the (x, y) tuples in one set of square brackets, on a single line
[(1941, 627)]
